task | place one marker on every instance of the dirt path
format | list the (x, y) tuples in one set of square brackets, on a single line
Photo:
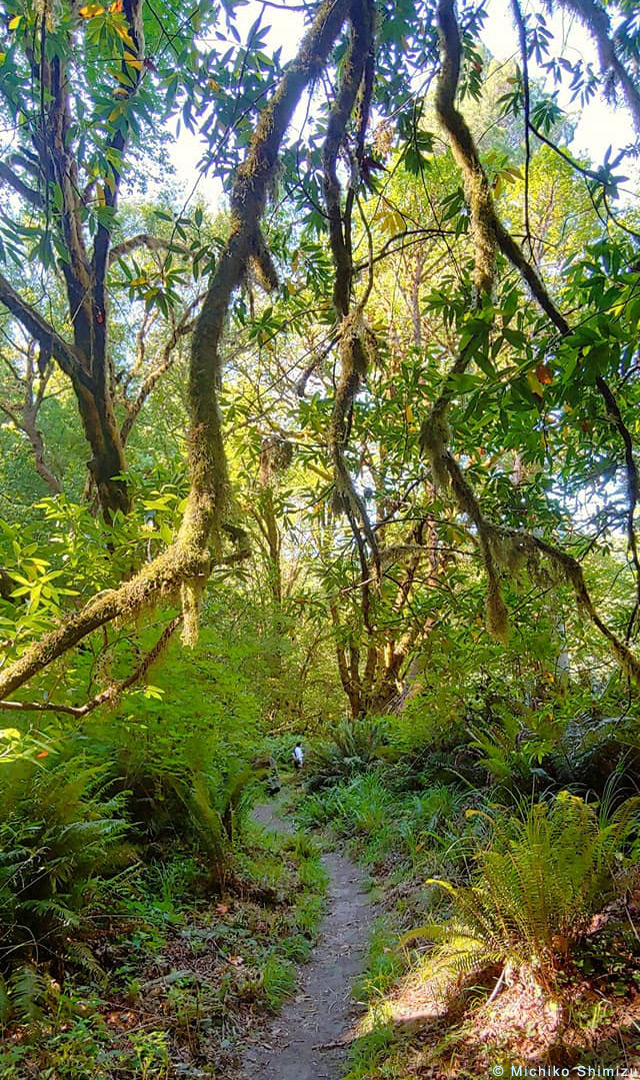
[(300, 1043)]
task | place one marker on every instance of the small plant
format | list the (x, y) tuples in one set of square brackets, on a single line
[(151, 1055), (216, 813), (512, 756), (278, 981)]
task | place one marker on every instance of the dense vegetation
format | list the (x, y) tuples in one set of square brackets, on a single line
[(335, 442)]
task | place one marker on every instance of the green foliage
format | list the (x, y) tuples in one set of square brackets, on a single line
[(354, 746), (535, 887), (512, 756), (60, 835), (216, 811), (279, 980), (315, 608)]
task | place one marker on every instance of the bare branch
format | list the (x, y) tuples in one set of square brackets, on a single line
[(48, 338), (183, 327), (111, 693)]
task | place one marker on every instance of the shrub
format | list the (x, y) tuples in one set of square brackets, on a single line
[(513, 757), (353, 747), (215, 809), (536, 887), (360, 805)]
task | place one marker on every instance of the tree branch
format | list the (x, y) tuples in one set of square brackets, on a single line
[(184, 326), (463, 148), (504, 548), (50, 341), (186, 564), (152, 243), (31, 195), (598, 23), (111, 693), (355, 341)]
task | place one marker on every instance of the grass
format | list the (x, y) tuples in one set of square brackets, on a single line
[(384, 965), (392, 830), (372, 1055), (279, 981)]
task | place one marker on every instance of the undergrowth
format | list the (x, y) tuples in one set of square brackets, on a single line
[(136, 940), (508, 930)]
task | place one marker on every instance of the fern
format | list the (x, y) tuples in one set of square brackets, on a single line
[(216, 811), (354, 746), (5, 1001), (27, 994), (536, 887), (58, 833)]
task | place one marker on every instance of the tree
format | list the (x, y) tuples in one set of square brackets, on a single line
[(485, 365), (87, 77)]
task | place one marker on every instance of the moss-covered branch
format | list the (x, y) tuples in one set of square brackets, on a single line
[(111, 693), (463, 147), (355, 339), (185, 566), (505, 550)]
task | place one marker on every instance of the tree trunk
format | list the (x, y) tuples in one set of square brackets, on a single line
[(108, 464)]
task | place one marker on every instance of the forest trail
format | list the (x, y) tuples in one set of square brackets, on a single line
[(308, 1038)]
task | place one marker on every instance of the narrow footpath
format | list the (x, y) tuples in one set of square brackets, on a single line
[(308, 1039)]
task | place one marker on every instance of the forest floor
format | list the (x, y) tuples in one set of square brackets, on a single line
[(309, 1038)]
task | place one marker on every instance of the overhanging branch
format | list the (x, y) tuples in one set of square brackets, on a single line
[(111, 693), (31, 195), (146, 240), (184, 567), (503, 548)]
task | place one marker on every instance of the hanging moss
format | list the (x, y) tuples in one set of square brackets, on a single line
[(476, 184), (190, 595), (189, 558)]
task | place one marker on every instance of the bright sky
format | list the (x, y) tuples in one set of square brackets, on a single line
[(599, 126)]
